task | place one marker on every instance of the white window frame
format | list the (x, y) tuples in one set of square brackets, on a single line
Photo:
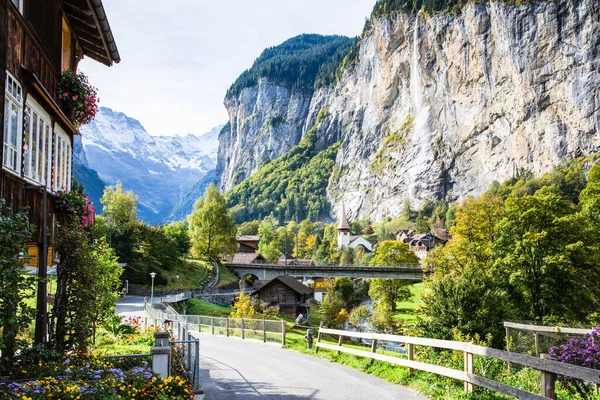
[(13, 97), (63, 157), (37, 159)]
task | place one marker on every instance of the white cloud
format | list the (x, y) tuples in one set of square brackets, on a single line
[(180, 56)]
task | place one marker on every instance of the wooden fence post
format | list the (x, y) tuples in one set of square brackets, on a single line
[(282, 333), (212, 325), (548, 381), (227, 326), (243, 328), (537, 344), (410, 352), (507, 329), (264, 331), (318, 337), (468, 370), (374, 346)]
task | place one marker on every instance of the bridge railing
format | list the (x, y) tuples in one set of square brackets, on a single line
[(549, 368), (174, 298)]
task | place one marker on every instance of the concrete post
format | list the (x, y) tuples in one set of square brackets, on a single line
[(161, 354)]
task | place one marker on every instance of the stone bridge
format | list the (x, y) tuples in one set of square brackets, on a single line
[(271, 271)]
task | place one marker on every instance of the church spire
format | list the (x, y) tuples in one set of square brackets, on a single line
[(343, 225)]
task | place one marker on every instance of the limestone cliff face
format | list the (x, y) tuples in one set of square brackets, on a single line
[(265, 121), (440, 106)]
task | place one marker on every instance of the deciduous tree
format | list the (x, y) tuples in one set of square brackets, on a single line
[(212, 230)]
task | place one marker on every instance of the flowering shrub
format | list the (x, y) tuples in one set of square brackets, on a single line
[(79, 97), (84, 376), (584, 352), (103, 383), (76, 204)]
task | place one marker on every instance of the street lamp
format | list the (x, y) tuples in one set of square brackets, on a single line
[(152, 275), (177, 276)]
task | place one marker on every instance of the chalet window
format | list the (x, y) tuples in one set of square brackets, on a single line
[(13, 114), (37, 157), (62, 161)]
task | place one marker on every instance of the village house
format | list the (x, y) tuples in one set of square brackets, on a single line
[(38, 41), (421, 243), (346, 240), (289, 295), (247, 243)]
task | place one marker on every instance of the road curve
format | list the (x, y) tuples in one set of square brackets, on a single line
[(232, 369)]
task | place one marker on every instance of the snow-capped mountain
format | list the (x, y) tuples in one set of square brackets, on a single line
[(159, 169)]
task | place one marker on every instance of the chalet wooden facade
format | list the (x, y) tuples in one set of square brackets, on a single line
[(285, 292), (39, 39)]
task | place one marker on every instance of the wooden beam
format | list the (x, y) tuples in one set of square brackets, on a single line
[(551, 329)]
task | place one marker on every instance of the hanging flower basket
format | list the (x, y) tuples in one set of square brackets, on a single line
[(79, 97), (75, 205)]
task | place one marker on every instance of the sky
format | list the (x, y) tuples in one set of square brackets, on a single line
[(179, 57)]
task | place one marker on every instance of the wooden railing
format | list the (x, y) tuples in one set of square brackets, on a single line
[(548, 367)]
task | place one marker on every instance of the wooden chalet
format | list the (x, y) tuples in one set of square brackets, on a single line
[(247, 243), (285, 292), (39, 39)]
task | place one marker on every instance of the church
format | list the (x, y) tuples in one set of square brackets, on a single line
[(344, 237)]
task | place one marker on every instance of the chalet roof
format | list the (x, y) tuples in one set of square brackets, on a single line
[(343, 225), (247, 238), (289, 282), (247, 258), (90, 26)]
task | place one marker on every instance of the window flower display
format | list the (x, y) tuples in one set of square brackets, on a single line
[(75, 204), (79, 96)]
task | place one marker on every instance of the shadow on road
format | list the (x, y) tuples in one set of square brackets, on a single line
[(227, 383)]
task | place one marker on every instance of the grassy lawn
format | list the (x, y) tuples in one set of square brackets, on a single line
[(200, 307), (405, 310), (193, 274), (226, 277)]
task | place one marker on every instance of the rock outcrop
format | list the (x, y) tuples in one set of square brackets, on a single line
[(438, 106)]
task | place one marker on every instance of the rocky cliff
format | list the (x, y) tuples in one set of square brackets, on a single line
[(439, 106)]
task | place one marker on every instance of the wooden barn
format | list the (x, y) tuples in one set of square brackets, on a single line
[(38, 41), (285, 292)]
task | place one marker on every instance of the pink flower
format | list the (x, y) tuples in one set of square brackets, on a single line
[(75, 97)]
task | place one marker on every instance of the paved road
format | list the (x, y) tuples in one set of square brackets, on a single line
[(130, 306), (232, 369)]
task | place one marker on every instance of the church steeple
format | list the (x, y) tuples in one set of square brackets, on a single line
[(343, 225), (343, 230)]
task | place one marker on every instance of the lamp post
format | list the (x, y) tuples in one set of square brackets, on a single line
[(152, 275), (177, 276), (126, 286)]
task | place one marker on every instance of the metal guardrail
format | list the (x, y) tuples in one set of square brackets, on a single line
[(549, 368), (273, 331)]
